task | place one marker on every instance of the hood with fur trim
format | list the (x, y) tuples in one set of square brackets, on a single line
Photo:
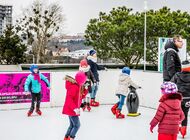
[(70, 80)]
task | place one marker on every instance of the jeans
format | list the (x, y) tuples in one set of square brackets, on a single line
[(74, 126), (36, 97), (121, 101), (94, 91)]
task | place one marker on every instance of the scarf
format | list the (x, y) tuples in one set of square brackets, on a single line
[(37, 77)]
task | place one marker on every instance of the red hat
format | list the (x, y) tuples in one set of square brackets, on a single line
[(84, 66), (83, 63)]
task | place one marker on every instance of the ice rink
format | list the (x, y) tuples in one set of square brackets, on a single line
[(99, 124)]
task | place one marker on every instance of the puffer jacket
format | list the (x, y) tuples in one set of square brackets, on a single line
[(74, 96), (34, 86), (90, 80), (171, 61), (94, 67), (182, 80), (124, 83), (169, 114)]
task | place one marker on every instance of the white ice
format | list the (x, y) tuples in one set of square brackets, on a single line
[(99, 124)]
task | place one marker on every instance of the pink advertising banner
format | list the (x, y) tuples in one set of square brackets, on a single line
[(12, 88)]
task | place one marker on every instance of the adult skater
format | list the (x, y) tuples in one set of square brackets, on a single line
[(182, 80), (171, 60)]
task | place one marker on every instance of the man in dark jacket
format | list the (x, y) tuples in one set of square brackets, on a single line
[(171, 60), (182, 80), (94, 67)]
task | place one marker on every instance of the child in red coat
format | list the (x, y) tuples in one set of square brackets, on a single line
[(169, 113), (75, 94)]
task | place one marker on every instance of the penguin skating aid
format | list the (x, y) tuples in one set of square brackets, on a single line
[(132, 103)]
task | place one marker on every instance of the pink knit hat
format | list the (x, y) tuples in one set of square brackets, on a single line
[(80, 78), (168, 88), (84, 66)]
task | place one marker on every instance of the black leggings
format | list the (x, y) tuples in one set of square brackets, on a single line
[(35, 97), (185, 105)]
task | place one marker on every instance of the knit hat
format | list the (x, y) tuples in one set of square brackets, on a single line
[(84, 66), (33, 67), (126, 70), (168, 88), (186, 66), (92, 52), (80, 78)]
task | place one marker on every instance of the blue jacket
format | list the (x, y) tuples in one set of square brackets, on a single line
[(34, 86)]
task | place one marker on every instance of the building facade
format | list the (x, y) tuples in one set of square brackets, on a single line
[(5, 17)]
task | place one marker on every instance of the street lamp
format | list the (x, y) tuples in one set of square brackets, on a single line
[(145, 18), (33, 57)]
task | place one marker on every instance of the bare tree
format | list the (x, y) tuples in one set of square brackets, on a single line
[(39, 23)]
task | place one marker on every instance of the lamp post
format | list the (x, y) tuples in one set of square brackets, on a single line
[(145, 22), (33, 58)]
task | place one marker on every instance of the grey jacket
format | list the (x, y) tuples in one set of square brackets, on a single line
[(124, 83)]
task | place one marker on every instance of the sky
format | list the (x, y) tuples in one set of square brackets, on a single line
[(79, 12)]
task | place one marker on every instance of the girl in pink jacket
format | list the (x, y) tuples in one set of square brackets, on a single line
[(75, 93)]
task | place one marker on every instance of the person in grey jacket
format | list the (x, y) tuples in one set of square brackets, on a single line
[(122, 91)]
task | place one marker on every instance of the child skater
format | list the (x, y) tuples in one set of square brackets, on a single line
[(122, 91), (33, 85), (182, 80), (88, 84), (94, 67), (169, 113), (74, 95)]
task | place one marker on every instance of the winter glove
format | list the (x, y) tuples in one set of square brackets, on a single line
[(77, 111), (151, 129), (86, 85)]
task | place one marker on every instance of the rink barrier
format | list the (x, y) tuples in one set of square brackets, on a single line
[(148, 95)]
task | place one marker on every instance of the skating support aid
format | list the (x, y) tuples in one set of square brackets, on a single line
[(133, 114)]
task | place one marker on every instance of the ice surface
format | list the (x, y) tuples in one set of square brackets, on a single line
[(99, 124)]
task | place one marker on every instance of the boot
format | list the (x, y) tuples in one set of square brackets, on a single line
[(88, 107), (183, 131), (94, 103), (38, 111), (113, 109), (84, 106), (67, 138), (119, 115), (29, 113)]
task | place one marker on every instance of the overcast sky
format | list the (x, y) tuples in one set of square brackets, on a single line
[(78, 12)]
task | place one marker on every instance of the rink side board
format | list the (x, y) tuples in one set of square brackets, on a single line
[(12, 88)]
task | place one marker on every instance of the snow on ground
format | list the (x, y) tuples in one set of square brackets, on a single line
[(99, 124)]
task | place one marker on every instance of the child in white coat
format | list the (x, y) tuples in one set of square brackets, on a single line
[(122, 91)]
